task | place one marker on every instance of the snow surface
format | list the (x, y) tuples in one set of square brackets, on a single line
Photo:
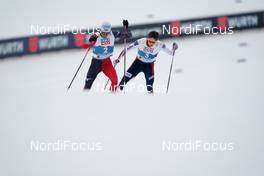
[(213, 97), (216, 95)]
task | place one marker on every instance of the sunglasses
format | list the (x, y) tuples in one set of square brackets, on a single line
[(105, 33), (152, 41)]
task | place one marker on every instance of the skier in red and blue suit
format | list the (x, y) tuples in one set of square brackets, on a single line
[(103, 47)]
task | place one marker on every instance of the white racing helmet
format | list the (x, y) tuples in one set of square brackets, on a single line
[(106, 27)]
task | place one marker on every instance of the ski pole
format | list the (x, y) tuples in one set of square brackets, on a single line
[(122, 53), (172, 59), (78, 68), (125, 50)]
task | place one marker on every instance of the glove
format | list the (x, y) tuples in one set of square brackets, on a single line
[(116, 61), (125, 23), (93, 38), (174, 46), (85, 46)]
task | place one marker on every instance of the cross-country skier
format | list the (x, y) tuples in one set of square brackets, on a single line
[(103, 47), (148, 50)]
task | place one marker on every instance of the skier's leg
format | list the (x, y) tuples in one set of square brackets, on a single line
[(133, 70), (93, 71), (110, 72), (149, 76)]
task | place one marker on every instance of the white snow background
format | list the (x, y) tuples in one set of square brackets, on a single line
[(216, 95)]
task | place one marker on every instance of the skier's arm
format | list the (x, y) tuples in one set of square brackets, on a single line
[(167, 50), (132, 45), (122, 34), (91, 41), (116, 34)]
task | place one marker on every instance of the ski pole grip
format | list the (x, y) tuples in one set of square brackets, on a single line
[(125, 24)]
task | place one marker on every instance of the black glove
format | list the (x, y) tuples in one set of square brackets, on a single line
[(174, 46), (93, 38), (125, 23)]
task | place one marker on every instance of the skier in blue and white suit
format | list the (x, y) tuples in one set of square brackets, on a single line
[(148, 50)]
